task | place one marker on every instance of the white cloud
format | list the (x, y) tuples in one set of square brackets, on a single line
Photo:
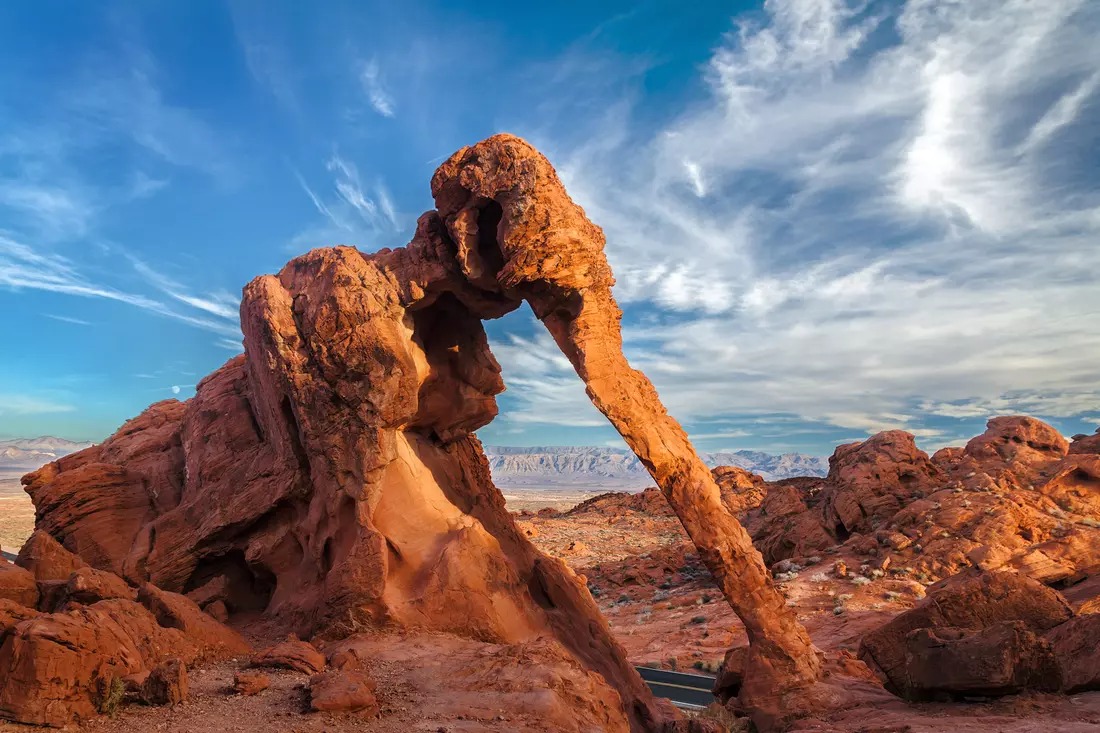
[(380, 99), (859, 232), (17, 404), (357, 215), (68, 319), (21, 267)]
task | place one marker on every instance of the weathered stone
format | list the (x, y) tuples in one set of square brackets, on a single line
[(167, 684), (342, 690), (301, 656)]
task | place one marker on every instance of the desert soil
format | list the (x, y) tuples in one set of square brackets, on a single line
[(16, 512)]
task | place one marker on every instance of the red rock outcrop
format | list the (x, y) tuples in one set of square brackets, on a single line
[(58, 665), (17, 584), (46, 558), (970, 604), (1002, 659), (300, 656), (1085, 443), (1076, 645), (329, 477)]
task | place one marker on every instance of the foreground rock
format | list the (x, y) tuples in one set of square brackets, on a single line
[(958, 617), (299, 656), (66, 667), (342, 690)]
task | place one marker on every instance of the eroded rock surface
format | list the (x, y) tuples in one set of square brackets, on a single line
[(330, 478)]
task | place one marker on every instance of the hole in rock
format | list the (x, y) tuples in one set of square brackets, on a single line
[(250, 586), (841, 532), (488, 249), (536, 586)]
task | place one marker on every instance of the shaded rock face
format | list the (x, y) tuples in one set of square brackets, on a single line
[(1002, 659), (58, 665), (330, 478), (973, 604)]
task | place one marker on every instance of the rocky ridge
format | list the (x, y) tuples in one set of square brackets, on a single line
[(564, 463)]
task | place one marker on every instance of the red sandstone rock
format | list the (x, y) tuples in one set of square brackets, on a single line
[(1086, 444), (300, 656), (250, 683), (47, 559), (18, 585), (167, 684), (11, 613), (217, 611), (1001, 659), (87, 585), (174, 611), (970, 603), (872, 480), (342, 690), (1076, 645)]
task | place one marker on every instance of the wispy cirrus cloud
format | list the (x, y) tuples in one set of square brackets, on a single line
[(22, 404), (380, 99), (24, 268), (68, 319), (881, 216), (355, 213)]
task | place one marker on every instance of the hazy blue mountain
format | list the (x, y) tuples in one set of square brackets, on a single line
[(590, 464), (30, 453)]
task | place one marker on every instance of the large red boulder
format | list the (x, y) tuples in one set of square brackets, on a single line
[(1076, 645), (870, 481), (342, 690), (17, 584), (1001, 659), (969, 603), (46, 558), (300, 656)]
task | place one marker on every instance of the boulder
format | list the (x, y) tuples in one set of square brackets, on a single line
[(11, 613), (18, 585), (1002, 659), (87, 585), (250, 683), (342, 690), (47, 559), (167, 684), (294, 654), (174, 611), (61, 664), (970, 602), (1085, 443), (1076, 645), (870, 481)]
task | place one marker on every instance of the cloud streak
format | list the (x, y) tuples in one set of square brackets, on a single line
[(863, 233)]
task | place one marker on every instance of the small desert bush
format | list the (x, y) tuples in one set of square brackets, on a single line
[(111, 693)]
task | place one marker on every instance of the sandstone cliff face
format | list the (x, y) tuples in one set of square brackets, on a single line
[(330, 478)]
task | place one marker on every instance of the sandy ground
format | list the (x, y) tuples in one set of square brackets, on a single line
[(16, 512)]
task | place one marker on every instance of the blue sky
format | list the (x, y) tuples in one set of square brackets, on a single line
[(825, 218)]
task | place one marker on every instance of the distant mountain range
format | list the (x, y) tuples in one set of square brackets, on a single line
[(586, 464), (31, 453)]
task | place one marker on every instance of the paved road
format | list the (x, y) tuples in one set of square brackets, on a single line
[(8, 556), (685, 690)]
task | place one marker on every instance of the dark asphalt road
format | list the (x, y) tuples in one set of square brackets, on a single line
[(8, 556), (687, 690)]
